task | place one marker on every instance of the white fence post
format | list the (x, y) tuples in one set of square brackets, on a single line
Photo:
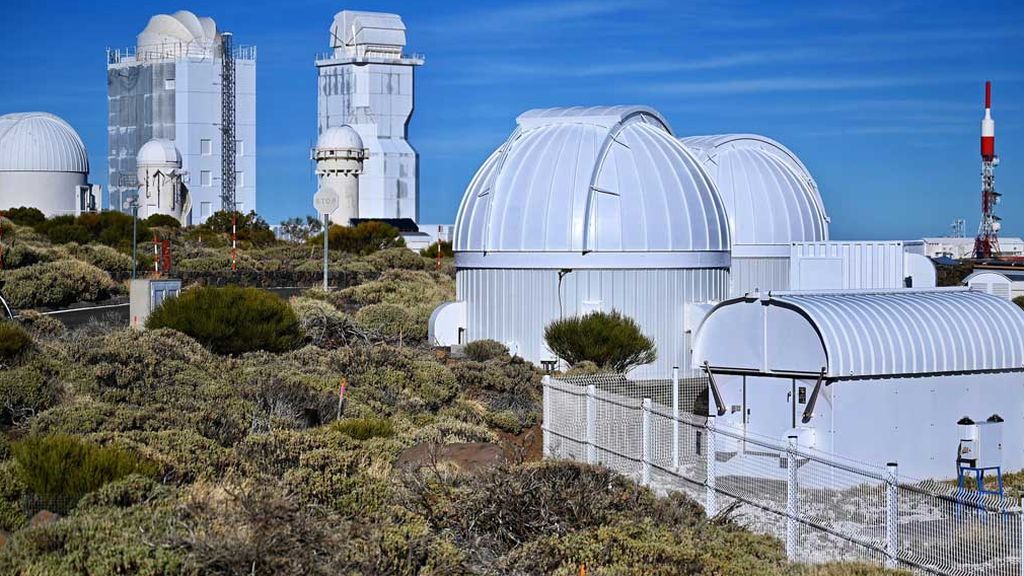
[(891, 515), (1021, 537), (675, 419), (791, 498), (546, 418), (645, 442), (710, 455), (591, 424)]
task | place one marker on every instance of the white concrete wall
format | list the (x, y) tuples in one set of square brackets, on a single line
[(54, 193), (515, 306)]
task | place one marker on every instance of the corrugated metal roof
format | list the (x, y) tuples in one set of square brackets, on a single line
[(865, 334), (608, 184), (40, 142), (768, 192)]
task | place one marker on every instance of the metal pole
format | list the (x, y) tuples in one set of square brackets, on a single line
[(675, 418), (710, 455), (591, 424), (327, 220), (1021, 530), (645, 442), (546, 418), (135, 239), (791, 498), (891, 515)]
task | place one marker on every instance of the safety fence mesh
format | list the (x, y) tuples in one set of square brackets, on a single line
[(824, 507)]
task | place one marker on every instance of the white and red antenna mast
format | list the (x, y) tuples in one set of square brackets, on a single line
[(986, 244)]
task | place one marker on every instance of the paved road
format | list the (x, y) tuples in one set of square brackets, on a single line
[(75, 317)]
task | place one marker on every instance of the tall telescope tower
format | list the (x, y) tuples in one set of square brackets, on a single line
[(986, 244)]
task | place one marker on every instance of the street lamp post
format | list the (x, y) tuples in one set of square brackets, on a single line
[(133, 203)]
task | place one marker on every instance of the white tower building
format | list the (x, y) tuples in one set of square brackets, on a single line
[(366, 82), (339, 156), (161, 190), (169, 86)]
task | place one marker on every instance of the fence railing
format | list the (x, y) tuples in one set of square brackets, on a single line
[(824, 507)]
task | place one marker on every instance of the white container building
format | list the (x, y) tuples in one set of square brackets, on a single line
[(1003, 282), (44, 165), (876, 376), (586, 209), (169, 87), (366, 82)]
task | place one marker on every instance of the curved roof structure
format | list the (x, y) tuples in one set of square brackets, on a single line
[(857, 335), (342, 137), (40, 142), (770, 196), (158, 152), (182, 31), (600, 187)]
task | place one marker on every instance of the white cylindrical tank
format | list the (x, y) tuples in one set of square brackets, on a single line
[(161, 190), (339, 156), (43, 164)]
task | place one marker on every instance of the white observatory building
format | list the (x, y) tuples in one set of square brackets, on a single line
[(339, 156), (44, 165), (366, 82), (170, 86), (772, 202), (161, 189), (581, 210)]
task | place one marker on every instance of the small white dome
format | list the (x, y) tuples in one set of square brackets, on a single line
[(602, 187), (158, 152), (342, 137), (769, 194), (40, 142)]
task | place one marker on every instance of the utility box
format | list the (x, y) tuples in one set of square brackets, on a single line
[(981, 443), (146, 295)]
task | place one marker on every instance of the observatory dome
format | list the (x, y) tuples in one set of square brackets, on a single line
[(599, 187), (181, 32), (339, 138), (158, 152), (770, 196), (40, 142)]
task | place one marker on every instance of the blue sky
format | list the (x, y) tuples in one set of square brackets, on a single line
[(881, 100)]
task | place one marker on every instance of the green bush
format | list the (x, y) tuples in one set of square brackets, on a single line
[(103, 257), (24, 216), (14, 342), (484, 350), (250, 228), (60, 470), (444, 246), (20, 254), (28, 389), (392, 321), (365, 428), (364, 238), (66, 233), (1019, 301), (398, 259), (231, 320), (56, 284), (162, 220), (609, 340)]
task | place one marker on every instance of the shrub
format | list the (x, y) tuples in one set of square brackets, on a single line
[(14, 342), (609, 340), (392, 321), (27, 390), (484, 350), (60, 470), (365, 428), (162, 220), (326, 326), (66, 233), (444, 246), (250, 228), (104, 257), (20, 254), (1019, 301), (231, 320), (364, 238), (24, 216), (397, 259), (128, 491), (56, 284)]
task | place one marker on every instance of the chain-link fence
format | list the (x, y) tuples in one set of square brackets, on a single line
[(824, 507)]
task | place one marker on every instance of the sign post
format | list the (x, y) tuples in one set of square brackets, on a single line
[(326, 201)]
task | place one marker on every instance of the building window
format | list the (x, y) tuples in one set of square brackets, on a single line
[(206, 178), (240, 179), (205, 210), (206, 147), (169, 84), (239, 147)]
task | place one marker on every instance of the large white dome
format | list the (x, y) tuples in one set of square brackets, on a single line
[(601, 187), (158, 152), (40, 142), (768, 192), (178, 33)]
